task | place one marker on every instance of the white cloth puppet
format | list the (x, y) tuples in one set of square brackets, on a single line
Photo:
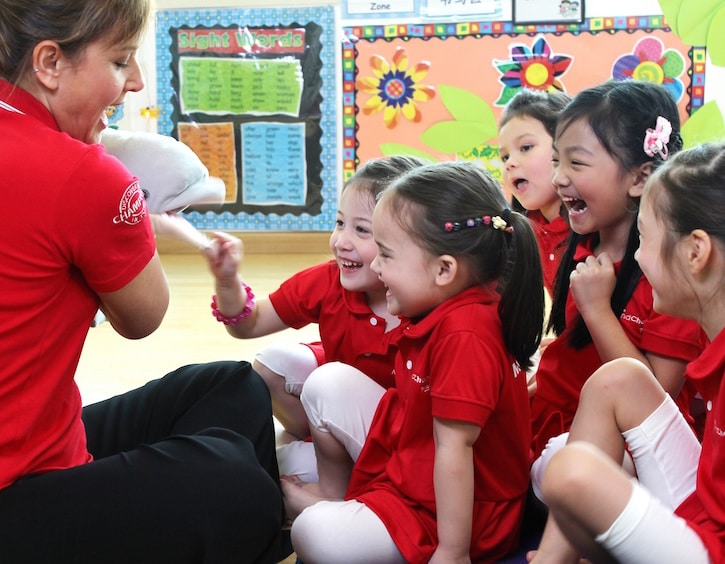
[(171, 177)]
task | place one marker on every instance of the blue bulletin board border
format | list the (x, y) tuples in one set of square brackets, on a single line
[(442, 30), (324, 16)]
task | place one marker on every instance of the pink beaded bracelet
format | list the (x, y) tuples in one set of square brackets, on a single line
[(234, 319)]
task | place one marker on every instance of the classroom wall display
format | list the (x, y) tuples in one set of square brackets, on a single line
[(437, 90), (253, 93)]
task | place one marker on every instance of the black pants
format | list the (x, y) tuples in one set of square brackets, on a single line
[(184, 471)]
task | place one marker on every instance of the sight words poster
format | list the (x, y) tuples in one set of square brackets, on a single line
[(252, 92)]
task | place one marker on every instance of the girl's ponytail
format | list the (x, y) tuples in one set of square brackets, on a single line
[(521, 308)]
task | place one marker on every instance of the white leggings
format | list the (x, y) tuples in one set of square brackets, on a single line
[(665, 452), (343, 531), (648, 531), (292, 361), (338, 399), (341, 400), (649, 455)]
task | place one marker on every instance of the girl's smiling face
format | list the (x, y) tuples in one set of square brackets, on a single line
[(669, 287), (352, 243), (595, 188), (406, 269), (525, 149)]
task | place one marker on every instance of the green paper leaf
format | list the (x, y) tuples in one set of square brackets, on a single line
[(716, 39), (693, 20), (457, 136), (706, 124), (671, 9), (464, 105), (390, 149)]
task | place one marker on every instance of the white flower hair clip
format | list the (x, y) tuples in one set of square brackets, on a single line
[(655, 140)]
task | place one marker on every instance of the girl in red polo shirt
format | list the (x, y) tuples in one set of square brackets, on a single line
[(675, 510), (526, 135), (602, 307), (443, 472), (343, 296)]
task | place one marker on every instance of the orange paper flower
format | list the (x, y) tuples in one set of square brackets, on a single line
[(395, 88)]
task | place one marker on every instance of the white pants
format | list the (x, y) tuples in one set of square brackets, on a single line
[(331, 532), (649, 455), (647, 531), (338, 399), (665, 453), (292, 361), (341, 400)]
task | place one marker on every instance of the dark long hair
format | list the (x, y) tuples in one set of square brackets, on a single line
[(619, 114)]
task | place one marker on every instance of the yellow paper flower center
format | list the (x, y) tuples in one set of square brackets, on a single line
[(537, 74), (649, 71)]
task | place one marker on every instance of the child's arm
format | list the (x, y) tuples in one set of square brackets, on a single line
[(669, 371), (453, 483), (592, 285), (224, 257), (592, 289)]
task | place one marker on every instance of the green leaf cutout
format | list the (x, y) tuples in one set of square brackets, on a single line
[(457, 136), (464, 105), (716, 39), (671, 9), (694, 19), (706, 124), (390, 149)]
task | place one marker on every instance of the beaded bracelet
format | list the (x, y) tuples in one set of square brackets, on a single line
[(234, 319)]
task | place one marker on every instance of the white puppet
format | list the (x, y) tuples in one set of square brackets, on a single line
[(172, 178)]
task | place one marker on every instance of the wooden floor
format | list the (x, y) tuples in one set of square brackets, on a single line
[(110, 364)]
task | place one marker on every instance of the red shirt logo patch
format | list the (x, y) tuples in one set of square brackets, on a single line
[(132, 207)]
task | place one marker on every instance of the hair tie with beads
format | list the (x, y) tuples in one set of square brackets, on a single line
[(499, 222)]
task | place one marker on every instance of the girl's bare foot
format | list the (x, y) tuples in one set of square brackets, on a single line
[(298, 495)]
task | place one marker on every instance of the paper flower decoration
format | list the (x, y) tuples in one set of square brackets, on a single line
[(649, 62), (395, 88), (535, 68)]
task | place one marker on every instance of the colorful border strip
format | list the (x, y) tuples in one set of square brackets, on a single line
[(352, 35)]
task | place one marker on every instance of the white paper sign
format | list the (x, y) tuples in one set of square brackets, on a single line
[(379, 7)]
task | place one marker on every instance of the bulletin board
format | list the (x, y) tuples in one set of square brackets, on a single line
[(437, 89), (253, 93)]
